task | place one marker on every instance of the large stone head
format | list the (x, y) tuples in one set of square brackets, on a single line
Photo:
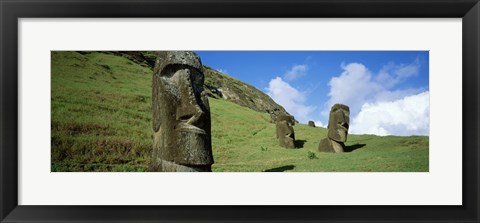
[(181, 113), (338, 123), (285, 133)]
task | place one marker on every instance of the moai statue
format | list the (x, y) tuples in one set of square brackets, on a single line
[(181, 114), (285, 133), (311, 123), (338, 124)]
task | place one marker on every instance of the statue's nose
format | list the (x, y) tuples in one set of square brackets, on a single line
[(189, 110), (344, 124)]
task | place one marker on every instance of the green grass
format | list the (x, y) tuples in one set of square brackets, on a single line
[(101, 107), (101, 121)]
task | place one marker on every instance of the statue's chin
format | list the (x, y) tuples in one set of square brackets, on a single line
[(195, 146), (342, 135), (184, 127), (289, 141)]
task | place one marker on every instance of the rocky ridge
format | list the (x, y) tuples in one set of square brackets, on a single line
[(220, 85)]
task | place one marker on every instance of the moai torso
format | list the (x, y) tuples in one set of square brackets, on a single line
[(285, 133), (181, 114)]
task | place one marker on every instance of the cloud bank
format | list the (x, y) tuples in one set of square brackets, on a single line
[(353, 87), (375, 105), (403, 117)]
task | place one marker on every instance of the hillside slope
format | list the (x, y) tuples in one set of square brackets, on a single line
[(101, 121), (218, 85), (223, 86)]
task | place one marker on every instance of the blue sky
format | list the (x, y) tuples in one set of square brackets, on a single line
[(387, 91)]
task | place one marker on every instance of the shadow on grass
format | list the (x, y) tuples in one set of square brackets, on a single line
[(354, 147), (299, 143), (281, 169)]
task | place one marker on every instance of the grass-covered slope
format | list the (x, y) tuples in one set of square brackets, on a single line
[(101, 113), (101, 121)]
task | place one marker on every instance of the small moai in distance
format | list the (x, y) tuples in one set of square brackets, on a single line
[(311, 123), (338, 124), (181, 114), (285, 133)]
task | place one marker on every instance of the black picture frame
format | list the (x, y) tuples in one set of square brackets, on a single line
[(11, 11)]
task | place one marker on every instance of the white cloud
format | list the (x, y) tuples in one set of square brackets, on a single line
[(222, 70), (290, 98), (367, 94), (406, 116), (357, 85), (319, 124), (353, 87), (296, 72), (392, 74)]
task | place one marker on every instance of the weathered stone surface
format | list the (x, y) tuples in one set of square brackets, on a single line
[(274, 113), (331, 146), (167, 166), (326, 146), (338, 124), (311, 123), (285, 133), (181, 114)]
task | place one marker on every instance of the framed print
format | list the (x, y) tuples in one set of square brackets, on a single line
[(239, 90)]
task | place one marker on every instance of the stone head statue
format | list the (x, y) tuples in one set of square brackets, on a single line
[(285, 133), (181, 114), (338, 122)]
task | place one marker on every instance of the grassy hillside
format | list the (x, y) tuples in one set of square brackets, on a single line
[(101, 121)]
